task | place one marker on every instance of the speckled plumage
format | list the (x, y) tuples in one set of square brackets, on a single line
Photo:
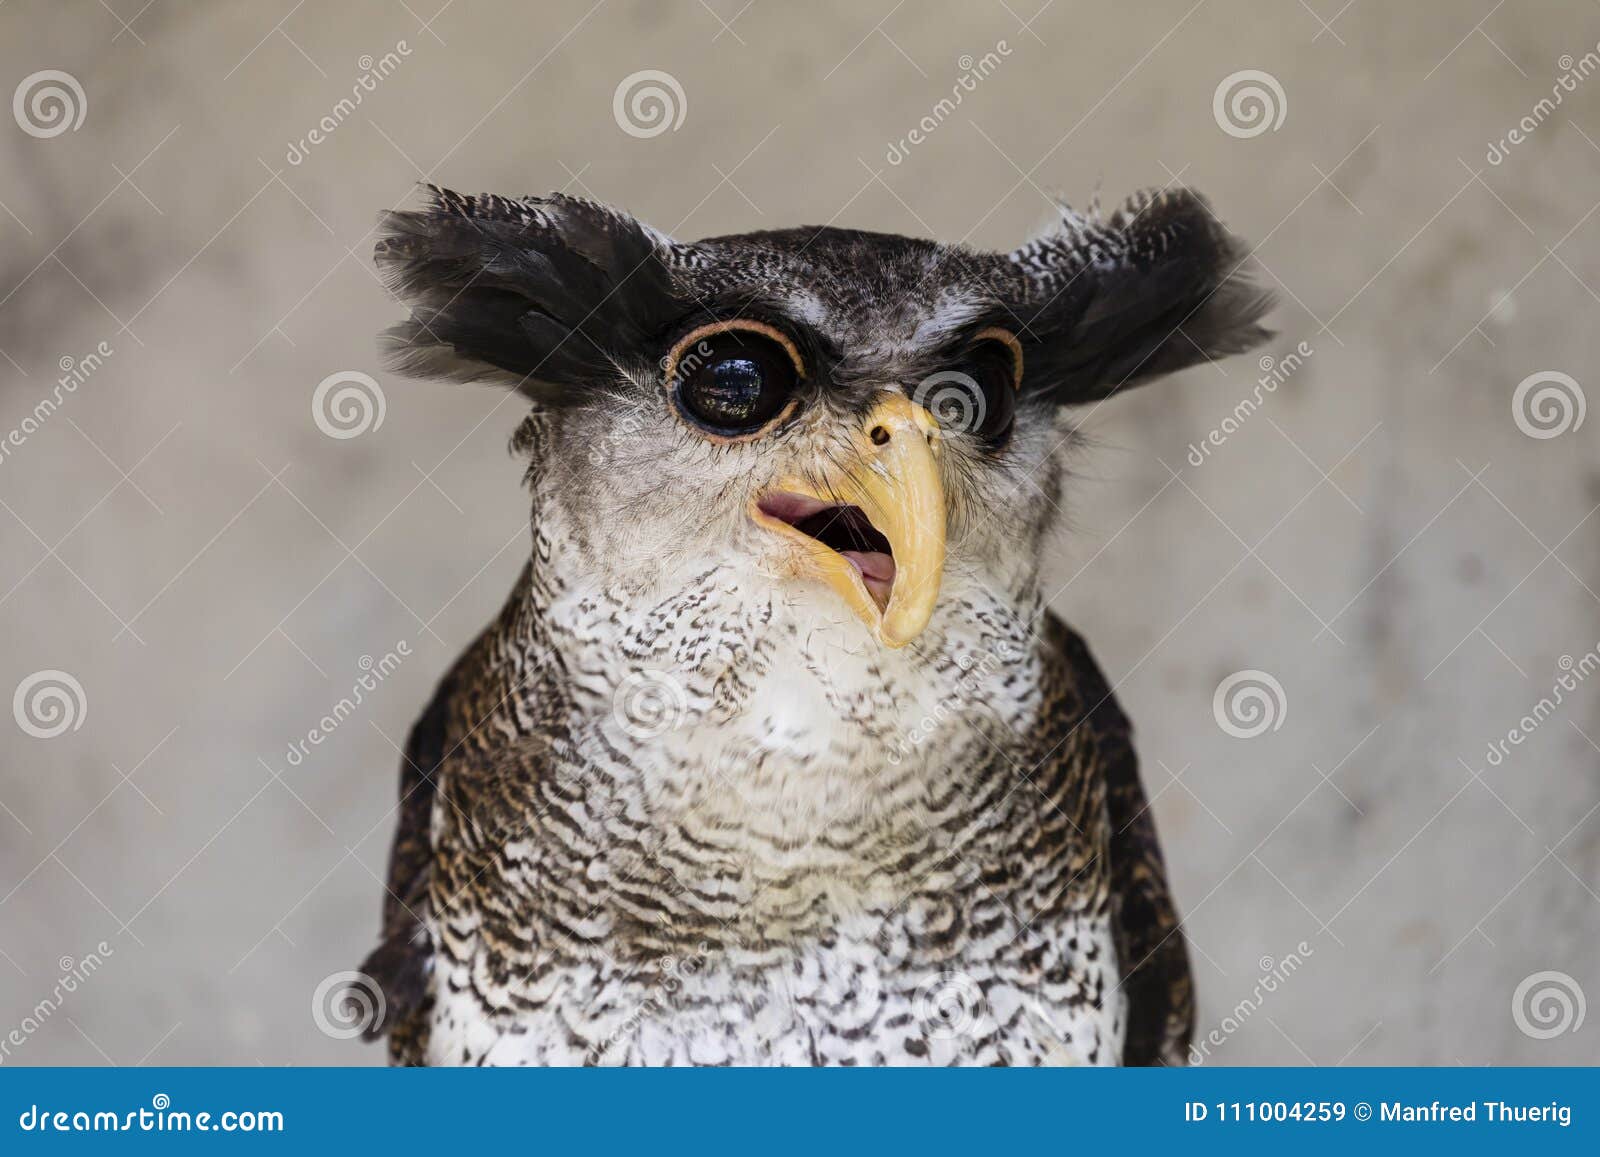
[(675, 806)]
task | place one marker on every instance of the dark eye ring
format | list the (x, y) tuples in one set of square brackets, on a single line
[(734, 380), (1009, 340), (978, 394)]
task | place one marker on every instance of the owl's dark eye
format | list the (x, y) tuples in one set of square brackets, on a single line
[(736, 380), (978, 395)]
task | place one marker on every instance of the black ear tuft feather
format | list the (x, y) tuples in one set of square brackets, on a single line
[(547, 294), (1157, 287)]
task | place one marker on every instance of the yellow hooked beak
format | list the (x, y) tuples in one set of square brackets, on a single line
[(892, 478)]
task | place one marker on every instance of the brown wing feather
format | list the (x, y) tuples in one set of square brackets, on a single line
[(1151, 949), (400, 964)]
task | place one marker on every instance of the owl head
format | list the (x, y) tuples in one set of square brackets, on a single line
[(864, 420)]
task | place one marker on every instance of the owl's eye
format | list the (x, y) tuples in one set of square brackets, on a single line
[(978, 395), (734, 379)]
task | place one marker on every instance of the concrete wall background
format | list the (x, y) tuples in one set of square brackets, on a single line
[(1380, 536)]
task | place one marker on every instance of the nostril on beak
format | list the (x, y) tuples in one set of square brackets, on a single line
[(879, 436)]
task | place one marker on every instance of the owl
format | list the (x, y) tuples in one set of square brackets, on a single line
[(776, 755)]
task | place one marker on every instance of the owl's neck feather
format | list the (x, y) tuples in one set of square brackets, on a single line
[(771, 687)]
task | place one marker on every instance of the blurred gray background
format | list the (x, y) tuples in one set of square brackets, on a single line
[(1382, 536)]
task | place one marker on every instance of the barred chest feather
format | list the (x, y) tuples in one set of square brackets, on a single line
[(755, 837)]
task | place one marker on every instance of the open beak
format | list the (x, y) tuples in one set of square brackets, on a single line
[(872, 528)]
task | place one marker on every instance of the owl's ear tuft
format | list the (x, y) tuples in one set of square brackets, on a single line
[(1158, 286), (546, 294)]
